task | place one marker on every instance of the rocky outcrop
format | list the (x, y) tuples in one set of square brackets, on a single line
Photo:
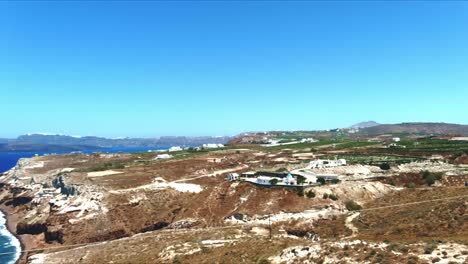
[(19, 200), (65, 189), (54, 233), (184, 223), (155, 226), (31, 229), (116, 234)]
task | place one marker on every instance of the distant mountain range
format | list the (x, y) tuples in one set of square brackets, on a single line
[(57, 143), (365, 124), (40, 142), (417, 128)]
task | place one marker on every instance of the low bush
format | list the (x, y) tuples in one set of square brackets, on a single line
[(384, 166), (352, 205), (335, 181), (310, 194)]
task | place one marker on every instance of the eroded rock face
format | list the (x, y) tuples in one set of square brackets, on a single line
[(31, 229), (65, 189), (155, 226), (115, 234), (20, 200), (184, 223), (54, 233)]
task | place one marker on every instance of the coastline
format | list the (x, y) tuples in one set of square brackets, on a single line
[(11, 220)]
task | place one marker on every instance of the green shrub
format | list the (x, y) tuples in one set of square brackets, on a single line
[(321, 181), (301, 179), (333, 197), (325, 196), (411, 185), (429, 177), (429, 247), (384, 166), (274, 181), (352, 205), (335, 181), (310, 194)]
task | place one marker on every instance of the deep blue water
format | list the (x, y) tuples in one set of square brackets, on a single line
[(9, 243), (8, 159)]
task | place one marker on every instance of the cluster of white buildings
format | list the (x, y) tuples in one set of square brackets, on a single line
[(308, 140), (270, 180), (299, 177), (213, 145), (276, 142), (204, 146), (176, 148), (319, 164), (163, 156)]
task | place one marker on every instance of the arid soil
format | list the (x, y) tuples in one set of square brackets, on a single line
[(130, 208)]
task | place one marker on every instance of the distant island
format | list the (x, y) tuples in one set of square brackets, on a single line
[(61, 143)]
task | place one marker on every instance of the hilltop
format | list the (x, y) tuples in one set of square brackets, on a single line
[(417, 128), (365, 124), (362, 130), (41, 142), (213, 205)]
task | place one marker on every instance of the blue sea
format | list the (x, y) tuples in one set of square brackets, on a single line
[(10, 247), (9, 243)]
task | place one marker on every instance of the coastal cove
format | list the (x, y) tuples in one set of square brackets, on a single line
[(10, 245), (9, 159)]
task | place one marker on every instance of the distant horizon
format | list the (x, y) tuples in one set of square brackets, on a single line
[(149, 68), (208, 135)]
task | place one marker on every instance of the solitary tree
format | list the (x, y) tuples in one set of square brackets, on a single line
[(301, 179), (385, 166), (335, 181), (310, 194), (321, 181), (352, 205)]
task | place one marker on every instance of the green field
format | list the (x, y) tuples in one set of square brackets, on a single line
[(375, 159)]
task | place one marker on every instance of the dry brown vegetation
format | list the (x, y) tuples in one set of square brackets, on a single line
[(444, 220)]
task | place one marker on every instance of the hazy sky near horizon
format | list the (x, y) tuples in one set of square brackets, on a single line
[(126, 68)]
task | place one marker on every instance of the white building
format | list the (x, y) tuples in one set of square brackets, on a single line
[(265, 180), (163, 156), (396, 139), (172, 149), (232, 177), (249, 174), (213, 145), (309, 140), (289, 180), (328, 177), (310, 177), (326, 163)]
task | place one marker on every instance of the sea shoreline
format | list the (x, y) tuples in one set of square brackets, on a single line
[(11, 220)]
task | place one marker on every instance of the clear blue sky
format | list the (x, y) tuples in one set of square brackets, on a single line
[(219, 68)]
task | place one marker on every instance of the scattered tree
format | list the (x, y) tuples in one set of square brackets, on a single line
[(321, 181), (335, 181), (301, 179), (325, 196), (384, 166), (352, 205), (310, 194), (333, 197), (274, 181), (429, 177)]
